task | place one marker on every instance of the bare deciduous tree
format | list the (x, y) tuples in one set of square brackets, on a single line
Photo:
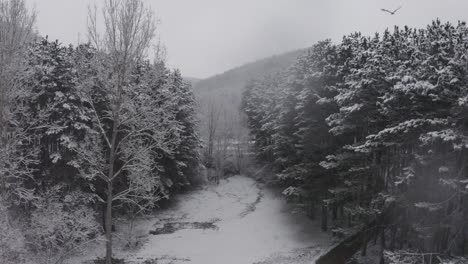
[(16, 30), (129, 27), (212, 126)]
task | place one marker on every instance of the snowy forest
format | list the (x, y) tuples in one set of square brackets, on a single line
[(373, 131), (87, 130), (346, 152)]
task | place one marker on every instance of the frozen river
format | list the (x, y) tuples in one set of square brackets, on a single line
[(236, 222)]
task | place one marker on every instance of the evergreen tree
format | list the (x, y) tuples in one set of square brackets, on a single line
[(52, 96), (381, 122)]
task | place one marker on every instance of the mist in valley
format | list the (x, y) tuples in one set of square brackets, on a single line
[(233, 132)]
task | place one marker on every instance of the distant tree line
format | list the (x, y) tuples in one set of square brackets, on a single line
[(86, 131), (223, 123), (374, 131)]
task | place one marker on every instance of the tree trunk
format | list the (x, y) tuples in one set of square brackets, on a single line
[(324, 217), (110, 180), (382, 244), (109, 224), (312, 211), (393, 231), (463, 243), (364, 245)]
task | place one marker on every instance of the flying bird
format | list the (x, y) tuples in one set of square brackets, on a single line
[(391, 12)]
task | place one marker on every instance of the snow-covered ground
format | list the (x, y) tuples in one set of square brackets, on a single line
[(254, 225)]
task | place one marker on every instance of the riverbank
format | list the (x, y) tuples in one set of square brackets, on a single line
[(235, 222)]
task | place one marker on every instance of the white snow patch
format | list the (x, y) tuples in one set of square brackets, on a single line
[(254, 225)]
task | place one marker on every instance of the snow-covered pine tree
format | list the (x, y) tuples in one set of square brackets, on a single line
[(52, 96), (397, 148), (186, 156)]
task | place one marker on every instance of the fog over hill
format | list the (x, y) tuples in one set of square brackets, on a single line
[(236, 78), (219, 97), (191, 80), (233, 132)]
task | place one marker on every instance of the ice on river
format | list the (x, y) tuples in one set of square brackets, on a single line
[(254, 225)]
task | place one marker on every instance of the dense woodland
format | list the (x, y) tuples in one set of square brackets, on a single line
[(373, 133), (88, 133), (369, 135)]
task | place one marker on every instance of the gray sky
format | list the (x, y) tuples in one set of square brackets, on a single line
[(206, 37)]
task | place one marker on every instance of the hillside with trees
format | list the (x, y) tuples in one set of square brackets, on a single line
[(372, 133), (349, 152), (88, 132), (235, 79), (222, 122)]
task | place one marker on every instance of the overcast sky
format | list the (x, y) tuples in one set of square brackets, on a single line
[(206, 37)]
